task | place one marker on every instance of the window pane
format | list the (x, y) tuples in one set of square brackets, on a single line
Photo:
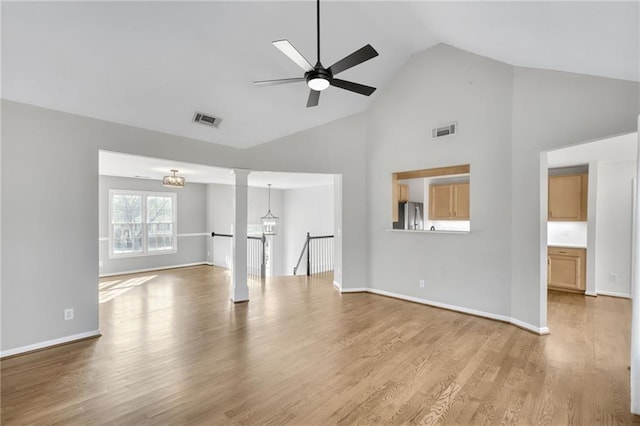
[(159, 209), (127, 238), (126, 208)]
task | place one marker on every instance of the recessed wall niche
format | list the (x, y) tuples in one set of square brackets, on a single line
[(429, 200)]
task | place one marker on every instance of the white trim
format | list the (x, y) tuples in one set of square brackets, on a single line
[(49, 343), (193, 234), (160, 268), (502, 318), (615, 294), (354, 290), (529, 327), (591, 293), (337, 285), (475, 312)]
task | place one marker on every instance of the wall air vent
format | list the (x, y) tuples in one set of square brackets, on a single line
[(207, 120), (446, 130)]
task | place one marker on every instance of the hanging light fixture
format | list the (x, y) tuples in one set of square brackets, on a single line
[(269, 221), (173, 181)]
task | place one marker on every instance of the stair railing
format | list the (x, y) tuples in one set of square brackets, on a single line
[(256, 264), (304, 248), (319, 251)]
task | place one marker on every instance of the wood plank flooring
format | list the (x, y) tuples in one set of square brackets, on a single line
[(175, 350)]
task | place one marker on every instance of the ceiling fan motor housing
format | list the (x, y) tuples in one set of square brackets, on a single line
[(319, 72)]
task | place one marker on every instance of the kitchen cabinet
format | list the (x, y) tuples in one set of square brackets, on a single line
[(568, 197), (403, 191), (566, 269), (449, 201)]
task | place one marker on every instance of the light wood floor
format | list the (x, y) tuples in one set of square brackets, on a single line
[(174, 350)]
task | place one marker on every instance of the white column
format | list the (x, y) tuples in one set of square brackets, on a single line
[(239, 288)]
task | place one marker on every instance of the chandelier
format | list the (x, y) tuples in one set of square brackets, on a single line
[(173, 181), (269, 221)]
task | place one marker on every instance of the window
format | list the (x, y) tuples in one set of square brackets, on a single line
[(141, 223)]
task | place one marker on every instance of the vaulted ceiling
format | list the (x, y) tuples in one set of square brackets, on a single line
[(153, 64)]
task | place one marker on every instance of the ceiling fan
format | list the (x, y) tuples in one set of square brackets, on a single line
[(318, 77)]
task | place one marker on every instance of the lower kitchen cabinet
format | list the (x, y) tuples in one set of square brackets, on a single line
[(566, 269)]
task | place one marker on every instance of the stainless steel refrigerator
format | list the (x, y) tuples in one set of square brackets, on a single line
[(410, 216)]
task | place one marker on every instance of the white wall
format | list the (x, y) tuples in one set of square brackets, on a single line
[(416, 189), (190, 220), (552, 110), (219, 214), (439, 85), (613, 227), (307, 210)]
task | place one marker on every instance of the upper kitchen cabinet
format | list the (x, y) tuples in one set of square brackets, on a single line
[(568, 197), (449, 201), (403, 193)]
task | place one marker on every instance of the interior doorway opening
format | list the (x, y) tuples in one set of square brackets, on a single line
[(305, 202), (589, 251)]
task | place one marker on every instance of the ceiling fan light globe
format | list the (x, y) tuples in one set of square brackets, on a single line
[(318, 84)]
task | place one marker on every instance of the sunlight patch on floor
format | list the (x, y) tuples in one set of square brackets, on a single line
[(109, 290)]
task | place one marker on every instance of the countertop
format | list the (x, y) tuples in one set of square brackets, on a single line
[(567, 245), (426, 231)]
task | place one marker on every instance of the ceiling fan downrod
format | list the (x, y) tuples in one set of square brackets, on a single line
[(318, 28)]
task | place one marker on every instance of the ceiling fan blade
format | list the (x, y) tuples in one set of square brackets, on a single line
[(359, 56), (287, 48), (314, 97), (353, 87), (278, 81)]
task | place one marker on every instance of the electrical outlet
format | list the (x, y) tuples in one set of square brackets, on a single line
[(613, 277), (68, 314), (421, 284)]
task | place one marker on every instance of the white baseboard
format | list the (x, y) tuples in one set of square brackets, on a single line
[(160, 268), (475, 312), (50, 343), (355, 290), (532, 328), (590, 293), (615, 294), (337, 285)]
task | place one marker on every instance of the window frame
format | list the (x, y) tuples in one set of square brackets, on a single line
[(145, 225)]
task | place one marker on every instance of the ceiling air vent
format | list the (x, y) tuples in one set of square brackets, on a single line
[(446, 130), (207, 120)]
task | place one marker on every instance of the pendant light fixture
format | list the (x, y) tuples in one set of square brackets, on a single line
[(269, 221), (173, 181)]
